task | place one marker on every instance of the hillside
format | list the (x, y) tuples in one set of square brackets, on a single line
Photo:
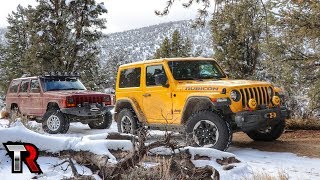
[(140, 44)]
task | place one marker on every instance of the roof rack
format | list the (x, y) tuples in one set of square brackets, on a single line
[(60, 74)]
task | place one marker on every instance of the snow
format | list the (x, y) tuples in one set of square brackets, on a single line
[(97, 144), (40, 33), (102, 6), (272, 162), (47, 166), (68, 2), (225, 26), (81, 137)]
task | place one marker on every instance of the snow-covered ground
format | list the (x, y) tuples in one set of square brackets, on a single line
[(81, 137)]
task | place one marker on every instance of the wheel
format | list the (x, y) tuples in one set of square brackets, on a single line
[(127, 121), (269, 134), (207, 129), (14, 113), (54, 122), (104, 123)]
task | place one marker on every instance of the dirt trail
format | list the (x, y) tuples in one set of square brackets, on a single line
[(300, 142)]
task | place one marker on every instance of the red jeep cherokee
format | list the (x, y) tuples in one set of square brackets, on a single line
[(58, 100)]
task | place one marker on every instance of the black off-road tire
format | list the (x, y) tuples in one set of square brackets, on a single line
[(104, 123), (272, 134), (127, 121), (204, 123), (57, 117), (14, 113)]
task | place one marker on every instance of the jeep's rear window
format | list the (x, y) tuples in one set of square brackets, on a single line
[(130, 78), (14, 87), (195, 70), (61, 83)]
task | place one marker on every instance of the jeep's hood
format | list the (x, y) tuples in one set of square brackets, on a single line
[(74, 93), (217, 85)]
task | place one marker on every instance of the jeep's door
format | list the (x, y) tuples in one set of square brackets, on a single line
[(24, 97), (35, 99), (157, 100)]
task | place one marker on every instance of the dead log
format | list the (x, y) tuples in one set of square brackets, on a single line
[(118, 136), (183, 168)]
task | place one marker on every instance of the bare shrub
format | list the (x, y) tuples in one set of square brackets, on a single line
[(303, 124)]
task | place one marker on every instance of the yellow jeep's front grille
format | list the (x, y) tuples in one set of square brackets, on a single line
[(260, 94)]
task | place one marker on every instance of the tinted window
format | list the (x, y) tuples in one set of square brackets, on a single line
[(34, 86), (152, 73), (14, 87), (24, 86), (188, 70), (130, 78)]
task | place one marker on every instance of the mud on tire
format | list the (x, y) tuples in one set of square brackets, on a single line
[(207, 129), (104, 123), (54, 122)]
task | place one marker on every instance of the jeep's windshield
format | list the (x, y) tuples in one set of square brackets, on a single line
[(195, 70), (62, 83)]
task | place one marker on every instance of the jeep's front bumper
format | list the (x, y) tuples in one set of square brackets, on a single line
[(260, 119), (87, 112)]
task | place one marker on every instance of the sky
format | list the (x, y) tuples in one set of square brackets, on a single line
[(122, 14)]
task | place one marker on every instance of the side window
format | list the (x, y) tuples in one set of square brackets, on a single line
[(153, 75), (24, 86), (34, 86), (130, 78), (14, 87)]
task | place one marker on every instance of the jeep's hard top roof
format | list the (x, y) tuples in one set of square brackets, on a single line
[(166, 59)]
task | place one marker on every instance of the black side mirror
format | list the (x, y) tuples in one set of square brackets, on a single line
[(161, 79)]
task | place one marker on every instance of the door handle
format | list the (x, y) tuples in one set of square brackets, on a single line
[(146, 95)]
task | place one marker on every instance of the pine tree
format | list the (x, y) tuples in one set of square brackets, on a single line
[(293, 52), (236, 30), (58, 35), (110, 68), (13, 55), (176, 47)]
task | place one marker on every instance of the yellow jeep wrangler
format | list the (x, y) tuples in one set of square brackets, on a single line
[(195, 96)]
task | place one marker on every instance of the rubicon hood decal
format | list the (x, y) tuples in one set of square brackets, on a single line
[(195, 88)]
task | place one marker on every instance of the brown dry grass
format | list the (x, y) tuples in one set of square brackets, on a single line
[(282, 175), (161, 171), (303, 124)]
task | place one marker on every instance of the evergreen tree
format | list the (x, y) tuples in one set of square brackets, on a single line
[(236, 30), (294, 51), (56, 35), (13, 55), (176, 47), (110, 68)]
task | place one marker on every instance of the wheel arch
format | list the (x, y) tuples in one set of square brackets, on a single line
[(52, 105), (130, 104), (13, 105), (195, 104)]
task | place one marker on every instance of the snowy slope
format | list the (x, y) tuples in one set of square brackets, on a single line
[(141, 43)]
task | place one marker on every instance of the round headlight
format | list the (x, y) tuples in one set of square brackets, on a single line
[(270, 91), (235, 95)]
